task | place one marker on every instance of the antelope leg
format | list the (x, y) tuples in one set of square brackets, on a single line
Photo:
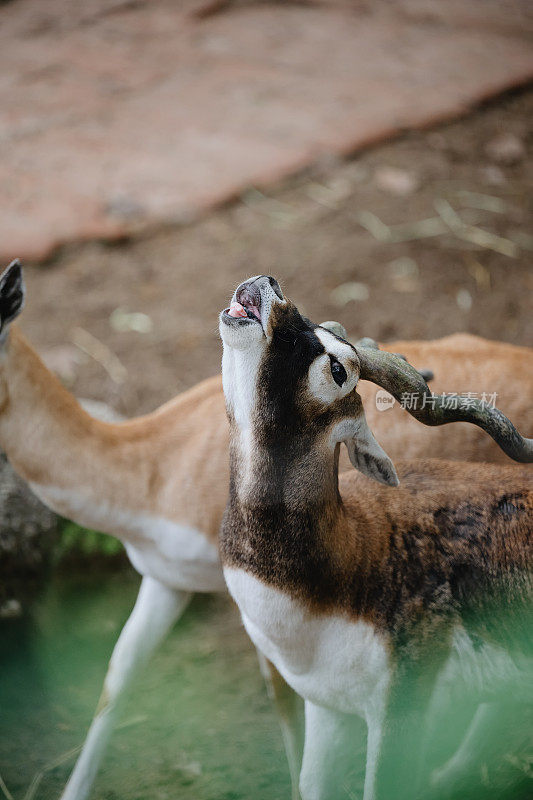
[(156, 609)]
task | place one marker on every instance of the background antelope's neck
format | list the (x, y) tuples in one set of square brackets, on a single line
[(38, 416), (87, 470)]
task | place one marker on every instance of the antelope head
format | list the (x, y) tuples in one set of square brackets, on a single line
[(291, 387)]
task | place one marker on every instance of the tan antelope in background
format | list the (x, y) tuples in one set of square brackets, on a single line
[(360, 594), (160, 483)]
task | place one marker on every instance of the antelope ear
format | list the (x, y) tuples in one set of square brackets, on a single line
[(368, 456), (12, 294)]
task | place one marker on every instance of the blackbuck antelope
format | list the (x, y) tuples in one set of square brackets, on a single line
[(160, 484), (360, 593)]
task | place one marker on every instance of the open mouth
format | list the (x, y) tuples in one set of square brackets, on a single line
[(247, 305)]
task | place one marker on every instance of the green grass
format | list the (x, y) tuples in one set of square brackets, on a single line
[(75, 540)]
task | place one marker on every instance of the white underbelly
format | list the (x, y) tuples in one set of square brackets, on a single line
[(329, 660), (176, 554), (195, 568)]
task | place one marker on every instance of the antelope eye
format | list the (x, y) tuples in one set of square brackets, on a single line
[(337, 371)]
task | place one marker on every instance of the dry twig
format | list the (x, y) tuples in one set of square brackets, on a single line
[(100, 353)]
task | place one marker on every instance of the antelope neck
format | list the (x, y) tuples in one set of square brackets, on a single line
[(284, 502)]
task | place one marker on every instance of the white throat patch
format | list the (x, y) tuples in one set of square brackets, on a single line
[(240, 369)]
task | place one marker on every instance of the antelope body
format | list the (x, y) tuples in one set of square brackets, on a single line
[(361, 595), (160, 484)]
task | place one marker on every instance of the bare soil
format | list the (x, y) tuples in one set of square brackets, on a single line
[(308, 234)]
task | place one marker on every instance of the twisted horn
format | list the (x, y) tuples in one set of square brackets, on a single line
[(335, 327), (366, 341), (399, 378)]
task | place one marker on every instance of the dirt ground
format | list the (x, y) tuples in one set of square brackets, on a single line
[(310, 233)]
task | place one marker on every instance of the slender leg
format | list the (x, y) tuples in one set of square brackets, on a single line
[(464, 759), (332, 740), (156, 609), (290, 709), (373, 745), (498, 728), (401, 762)]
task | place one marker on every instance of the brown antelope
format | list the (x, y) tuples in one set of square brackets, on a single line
[(160, 483), (360, 594)]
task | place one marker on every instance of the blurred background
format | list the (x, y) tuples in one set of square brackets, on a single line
[(374, 156)]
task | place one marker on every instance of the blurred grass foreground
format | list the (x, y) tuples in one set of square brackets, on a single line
[(198, 724)]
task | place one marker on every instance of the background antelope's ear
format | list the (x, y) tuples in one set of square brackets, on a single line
[(335, 327), (12, 293), (368, 456)]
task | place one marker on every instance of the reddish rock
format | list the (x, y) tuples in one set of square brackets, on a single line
[(117, 115)]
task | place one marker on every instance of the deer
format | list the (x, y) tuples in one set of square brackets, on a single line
[(160, 484), (361, 589)]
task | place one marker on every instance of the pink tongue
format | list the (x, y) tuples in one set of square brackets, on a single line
[(236, 310)]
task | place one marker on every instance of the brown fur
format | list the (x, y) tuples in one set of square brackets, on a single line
[(449, 539), (444, 540)]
